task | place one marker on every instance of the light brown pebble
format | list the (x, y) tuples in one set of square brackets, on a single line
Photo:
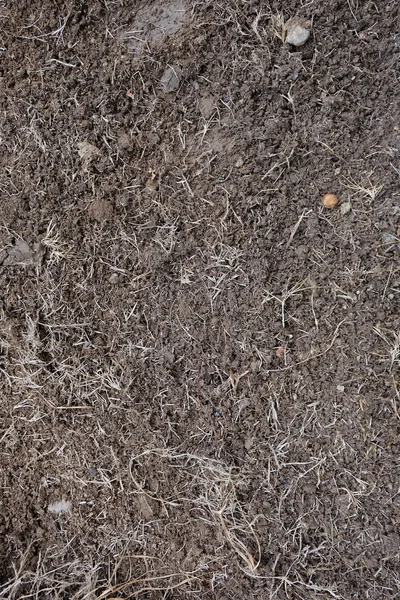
[(330, 200)]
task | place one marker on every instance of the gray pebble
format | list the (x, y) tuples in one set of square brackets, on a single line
[(345, 208), (171, 78), (297, 31)]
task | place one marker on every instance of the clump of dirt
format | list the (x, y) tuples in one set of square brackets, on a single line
[(199, 361), (101, 210), (153, 23)]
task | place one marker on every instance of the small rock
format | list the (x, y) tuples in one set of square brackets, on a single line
[(340, 388), (171, 78), (19, 254), (255, 366), (59, 507), (297, 31), (239, 163), (113, 278), (345, 208)]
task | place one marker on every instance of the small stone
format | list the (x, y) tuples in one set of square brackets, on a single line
[(239, 163), (340, 388), (330, 200), (345, 208), (114, 278), (255, 366), (297, 31), (21, 254), (171, 78), (59, 507)]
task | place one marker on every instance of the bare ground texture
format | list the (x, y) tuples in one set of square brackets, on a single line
[(199, 362)]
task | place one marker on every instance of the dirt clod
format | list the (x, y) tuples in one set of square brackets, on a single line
[(101, 210), (87, 151)]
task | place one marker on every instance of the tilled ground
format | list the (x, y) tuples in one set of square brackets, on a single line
[(199, 362)]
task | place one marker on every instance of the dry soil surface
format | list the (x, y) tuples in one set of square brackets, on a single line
[(199, 362)]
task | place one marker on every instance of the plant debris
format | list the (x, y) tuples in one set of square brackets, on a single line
[(199, 363)]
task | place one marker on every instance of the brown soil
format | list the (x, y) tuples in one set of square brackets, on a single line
[(198, 360)]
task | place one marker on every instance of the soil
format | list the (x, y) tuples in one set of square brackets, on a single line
[(199, 362)]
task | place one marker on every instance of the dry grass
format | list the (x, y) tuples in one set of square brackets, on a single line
[(278, 26), (366, 190), (140, 380)]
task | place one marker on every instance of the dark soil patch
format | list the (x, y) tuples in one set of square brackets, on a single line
[(198, 360)]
